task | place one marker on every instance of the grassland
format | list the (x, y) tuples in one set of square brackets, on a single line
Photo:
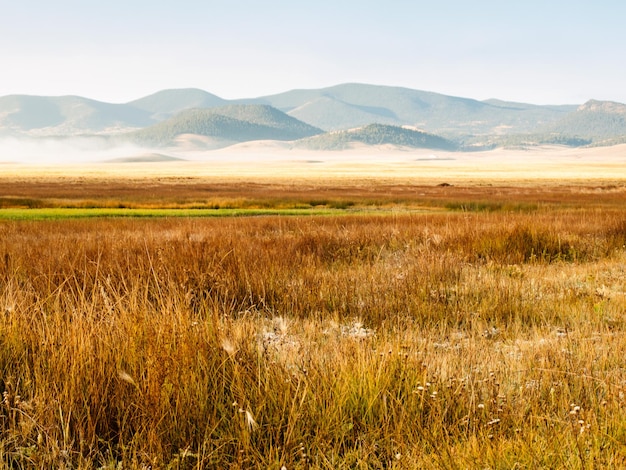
[(95, 212), (487, 333)]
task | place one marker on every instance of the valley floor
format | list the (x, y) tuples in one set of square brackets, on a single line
[(277, 160)]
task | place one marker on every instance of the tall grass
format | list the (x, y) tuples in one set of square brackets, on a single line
[(463, 340)]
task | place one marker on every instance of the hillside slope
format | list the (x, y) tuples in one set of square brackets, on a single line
[(166, 103), (595, 120), (67, 115), (233, 123), (360, 104), (377, 134)]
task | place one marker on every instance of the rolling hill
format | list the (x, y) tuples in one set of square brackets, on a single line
[(594, 120), (67, 115), (376, 134), (352, 105), (228, 124), (165, 104)]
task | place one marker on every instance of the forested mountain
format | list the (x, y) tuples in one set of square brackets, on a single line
[(233, 123), (377, 134), (594, 120)]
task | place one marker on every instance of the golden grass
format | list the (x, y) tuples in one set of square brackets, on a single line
[(487, 339), (111, 190)]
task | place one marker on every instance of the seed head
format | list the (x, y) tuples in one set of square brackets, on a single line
[(251, 424), (229, 347), (126, 377)]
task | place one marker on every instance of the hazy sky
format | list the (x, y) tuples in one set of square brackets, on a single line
[(539, 51)]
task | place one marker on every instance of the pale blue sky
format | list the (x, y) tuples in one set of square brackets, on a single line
[(533, 51)]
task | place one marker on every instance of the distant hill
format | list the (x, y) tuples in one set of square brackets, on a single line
[(67, 115), (377, 134), (594, 120), (166, 103), (352, 105), (229, 124), (591, 124), (169, 114), (335, 114)]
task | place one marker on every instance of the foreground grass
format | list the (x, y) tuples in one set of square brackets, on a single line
[(462, 340)]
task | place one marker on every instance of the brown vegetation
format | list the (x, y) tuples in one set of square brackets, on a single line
[(208, 192), (492, 336)]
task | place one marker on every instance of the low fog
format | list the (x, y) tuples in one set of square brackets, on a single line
[(66, 150)]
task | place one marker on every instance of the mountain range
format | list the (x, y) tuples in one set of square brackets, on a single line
[(328, 118)]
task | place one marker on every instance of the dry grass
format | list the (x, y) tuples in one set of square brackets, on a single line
[(107, 191), (488, 339)]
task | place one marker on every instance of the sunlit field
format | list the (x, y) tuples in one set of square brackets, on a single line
[(379, 324)]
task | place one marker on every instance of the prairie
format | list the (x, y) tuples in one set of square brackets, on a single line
[(471, 325)]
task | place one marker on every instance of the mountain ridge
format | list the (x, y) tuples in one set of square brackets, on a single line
[(67, 113), (165, 103), (399, 106), (336, 108)]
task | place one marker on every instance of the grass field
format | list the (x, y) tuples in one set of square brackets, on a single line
[(95, 212), (487, 330)]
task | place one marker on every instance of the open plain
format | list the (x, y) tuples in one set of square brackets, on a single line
[(412, 311)]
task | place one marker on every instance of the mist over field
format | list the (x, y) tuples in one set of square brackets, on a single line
[(68, 150)]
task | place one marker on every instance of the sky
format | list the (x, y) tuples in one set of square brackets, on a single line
[(542, 52)]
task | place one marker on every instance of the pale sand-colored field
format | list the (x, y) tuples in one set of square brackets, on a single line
[(278, 160)]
